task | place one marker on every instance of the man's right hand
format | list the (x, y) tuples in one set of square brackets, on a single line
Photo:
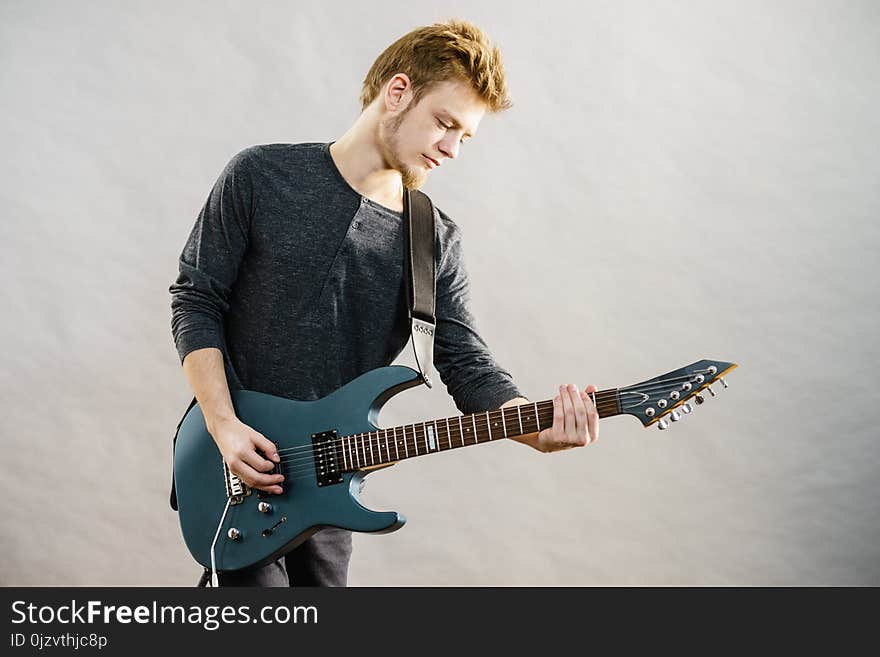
[(238, 443)]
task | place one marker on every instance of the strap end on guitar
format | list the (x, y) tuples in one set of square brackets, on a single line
[(423, 347)]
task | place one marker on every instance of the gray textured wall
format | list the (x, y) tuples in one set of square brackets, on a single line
[(677, 180)]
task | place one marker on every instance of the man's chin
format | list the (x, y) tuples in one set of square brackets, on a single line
[(413, 178)]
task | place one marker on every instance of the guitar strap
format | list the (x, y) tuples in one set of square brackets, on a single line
[(173, 499), (420, 275), (421, 284)]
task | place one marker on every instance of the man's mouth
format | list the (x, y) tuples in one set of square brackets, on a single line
[(431, 162)]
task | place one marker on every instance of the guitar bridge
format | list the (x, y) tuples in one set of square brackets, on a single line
[(325, 446), (236, 489)]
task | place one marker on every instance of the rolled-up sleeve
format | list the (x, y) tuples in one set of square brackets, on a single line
[(210, 259), (466, 366)]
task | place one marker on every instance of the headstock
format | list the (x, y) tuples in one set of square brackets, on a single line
[(651, 401)]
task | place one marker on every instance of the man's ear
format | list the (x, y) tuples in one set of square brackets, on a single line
[(398, 92)]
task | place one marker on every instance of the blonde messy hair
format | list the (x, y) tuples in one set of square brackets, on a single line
[(455, 50)]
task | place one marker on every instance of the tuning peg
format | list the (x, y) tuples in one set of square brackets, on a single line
[(723, 382), (712, 392), (675, 416), (662, 424), (687, 408), (699, 399)]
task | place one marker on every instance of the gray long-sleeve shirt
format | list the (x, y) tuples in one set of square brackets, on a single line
[(298, 280)]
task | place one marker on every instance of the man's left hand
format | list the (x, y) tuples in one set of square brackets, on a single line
[(575, 420)]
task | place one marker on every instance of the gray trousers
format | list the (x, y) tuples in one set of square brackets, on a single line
[(322, 560)]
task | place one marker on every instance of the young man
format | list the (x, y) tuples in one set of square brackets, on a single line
[(291, 281)]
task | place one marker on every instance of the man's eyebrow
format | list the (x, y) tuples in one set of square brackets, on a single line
[(455, 123)]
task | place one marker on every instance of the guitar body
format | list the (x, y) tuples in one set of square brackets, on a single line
[(201, 478)]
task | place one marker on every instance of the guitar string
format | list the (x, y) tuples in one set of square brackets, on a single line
[(378, 438), (303, 468), (306, 470), (298, 469), (389, 447), (305, 463), (363, 443), (360, 449), (608, 402), (661, 383), (365, 440)]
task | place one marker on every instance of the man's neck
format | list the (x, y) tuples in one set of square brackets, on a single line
[(364, 169)]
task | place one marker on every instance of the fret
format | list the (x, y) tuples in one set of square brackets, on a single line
[(357, 454), (537, 421), (461, 431), (415, 439), (425, 437), (344, 459), (474, 421), (519, 415), (405, 446), (387, 448), (437, 433), (396, 452), (448, 433), (503, 423), (489, 424), (370, 443), (363, 449)]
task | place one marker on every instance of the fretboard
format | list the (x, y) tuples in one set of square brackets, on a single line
[(375, 448)]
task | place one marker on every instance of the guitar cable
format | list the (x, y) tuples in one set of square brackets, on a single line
[(215, 581)]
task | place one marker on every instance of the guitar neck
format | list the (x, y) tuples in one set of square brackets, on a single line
[(377, 448)]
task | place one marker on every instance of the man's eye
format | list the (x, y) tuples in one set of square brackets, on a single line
[(449, 127)]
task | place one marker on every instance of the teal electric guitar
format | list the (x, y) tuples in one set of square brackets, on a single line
[(328, 446)]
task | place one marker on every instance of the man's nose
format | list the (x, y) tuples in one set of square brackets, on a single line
[(449, 148)]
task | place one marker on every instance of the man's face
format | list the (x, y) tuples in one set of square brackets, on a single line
[(435, 128)]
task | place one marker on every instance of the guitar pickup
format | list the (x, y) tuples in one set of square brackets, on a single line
[(325, 449)]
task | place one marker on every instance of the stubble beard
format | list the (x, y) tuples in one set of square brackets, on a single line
[(412, 178)]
